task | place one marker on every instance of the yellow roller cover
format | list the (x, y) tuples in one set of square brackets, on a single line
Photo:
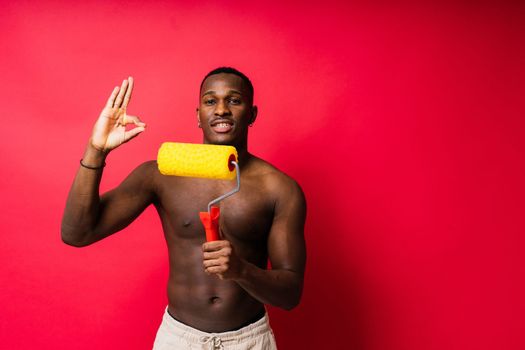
[(197, 160)]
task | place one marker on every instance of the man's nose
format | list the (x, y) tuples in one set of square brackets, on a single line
[(222, 108)]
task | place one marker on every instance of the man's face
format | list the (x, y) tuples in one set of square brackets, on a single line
[(225, 110)]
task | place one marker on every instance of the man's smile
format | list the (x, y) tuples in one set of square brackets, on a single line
[(222, 126)]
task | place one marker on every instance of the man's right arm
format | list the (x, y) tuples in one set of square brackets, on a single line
[(89, 217)]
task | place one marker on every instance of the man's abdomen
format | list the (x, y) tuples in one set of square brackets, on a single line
[(210, 304)]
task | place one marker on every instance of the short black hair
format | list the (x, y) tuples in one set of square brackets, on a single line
[(230, 70)]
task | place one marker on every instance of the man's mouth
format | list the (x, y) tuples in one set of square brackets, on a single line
[(222, 127)]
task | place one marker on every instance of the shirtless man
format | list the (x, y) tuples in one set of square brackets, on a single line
[(213, 287)]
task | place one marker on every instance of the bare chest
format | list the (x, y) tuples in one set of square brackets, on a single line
[(246, 216)]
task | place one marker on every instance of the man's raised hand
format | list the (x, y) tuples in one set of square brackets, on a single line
[(109, 131)]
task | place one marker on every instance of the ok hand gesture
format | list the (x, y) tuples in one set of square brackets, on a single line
[(109, 131)]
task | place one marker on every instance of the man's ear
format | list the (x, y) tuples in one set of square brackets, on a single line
[(254, 114), (197, 114)]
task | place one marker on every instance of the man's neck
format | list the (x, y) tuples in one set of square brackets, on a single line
[(244, 156)]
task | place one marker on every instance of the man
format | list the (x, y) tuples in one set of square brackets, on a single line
[(216, 290)]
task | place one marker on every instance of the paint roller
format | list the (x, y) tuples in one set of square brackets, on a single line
[(204, 161)]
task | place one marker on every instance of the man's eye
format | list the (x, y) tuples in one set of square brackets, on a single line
[(235, 101), (209, 102)]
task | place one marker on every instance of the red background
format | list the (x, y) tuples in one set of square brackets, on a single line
[(403, 123)]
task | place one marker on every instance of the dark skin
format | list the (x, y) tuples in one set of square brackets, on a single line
[(213, 286)]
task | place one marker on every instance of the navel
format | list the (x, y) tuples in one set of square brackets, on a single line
[(186, 223), (215, 300)]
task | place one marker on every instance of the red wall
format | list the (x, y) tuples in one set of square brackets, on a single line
[(403, 123)]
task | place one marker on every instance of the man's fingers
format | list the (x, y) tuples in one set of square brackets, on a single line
[(120, 96), (215, 262), (212, 255), (127, 97), (216, 269), (128, 135), (128, 119), (214, 245), (111, 99)]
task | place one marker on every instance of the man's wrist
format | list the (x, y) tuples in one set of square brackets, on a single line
[(244, 271), (93, 157)]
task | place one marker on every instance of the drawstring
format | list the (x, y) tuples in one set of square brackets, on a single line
[(214, 341)]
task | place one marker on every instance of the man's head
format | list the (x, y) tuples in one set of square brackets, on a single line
[(226, 107), (230, 70)]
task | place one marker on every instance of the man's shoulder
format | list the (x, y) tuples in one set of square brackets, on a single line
[(146, 172), (148, 167), (274, 179)]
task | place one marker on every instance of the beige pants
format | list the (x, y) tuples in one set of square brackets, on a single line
[(175, 335)]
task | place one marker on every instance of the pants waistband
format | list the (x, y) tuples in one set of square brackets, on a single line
[(192, 334)]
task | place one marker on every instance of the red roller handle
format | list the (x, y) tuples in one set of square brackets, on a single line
[(211, 223)]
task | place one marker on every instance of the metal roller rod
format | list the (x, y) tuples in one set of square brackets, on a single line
[(226, 195)]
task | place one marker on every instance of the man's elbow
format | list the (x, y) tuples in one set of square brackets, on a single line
[(292, 302), (71, 239), (73, 243), (290, 306)]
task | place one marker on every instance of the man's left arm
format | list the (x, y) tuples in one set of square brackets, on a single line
[(282, 285)]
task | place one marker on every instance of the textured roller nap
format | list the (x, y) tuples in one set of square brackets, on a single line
[(197, 160)]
